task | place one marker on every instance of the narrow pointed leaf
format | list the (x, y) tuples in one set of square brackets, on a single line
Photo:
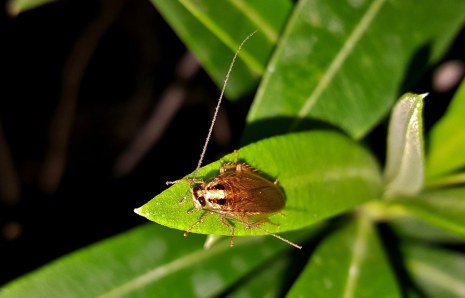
[(404, 171), (322, 173), (413, 228), (16, 7), (444, 208), (210, 29), (447, 139), (438, 272), (345, 62), (149, 261), (348, 263)]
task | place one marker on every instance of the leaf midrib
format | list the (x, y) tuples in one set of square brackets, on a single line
[(358, 255), (225, 37), (339, 59), (159, 272)]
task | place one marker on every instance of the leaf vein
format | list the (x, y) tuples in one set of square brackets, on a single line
[(358, 254), (254, 17), (342, 55), (162, 271)]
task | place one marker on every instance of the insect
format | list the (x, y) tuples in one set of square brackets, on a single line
[(239, 192)]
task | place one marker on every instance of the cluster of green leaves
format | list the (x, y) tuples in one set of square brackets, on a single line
[(331, 64)]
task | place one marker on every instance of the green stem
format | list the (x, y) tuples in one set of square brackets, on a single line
[(383, 210)]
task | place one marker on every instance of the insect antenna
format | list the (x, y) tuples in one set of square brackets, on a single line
[(217, 108), (278, 237), (215, 115)]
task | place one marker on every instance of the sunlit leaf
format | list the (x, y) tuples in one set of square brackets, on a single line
[(322, 174), (345, 62), (404, 172)]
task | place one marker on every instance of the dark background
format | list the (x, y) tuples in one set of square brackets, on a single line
[(130, 67)]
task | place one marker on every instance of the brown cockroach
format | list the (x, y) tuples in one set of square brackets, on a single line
[(239, 192)]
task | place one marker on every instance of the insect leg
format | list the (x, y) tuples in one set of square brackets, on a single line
[(279, 237), (260, 222), (199, 221), (225, 221), (247, 224), (228, 167), (233, 166)]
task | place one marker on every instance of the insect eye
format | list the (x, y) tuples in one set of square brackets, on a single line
[(217, 187), (201, 200)]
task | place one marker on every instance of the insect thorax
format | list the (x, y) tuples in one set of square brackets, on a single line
[(211, 195)]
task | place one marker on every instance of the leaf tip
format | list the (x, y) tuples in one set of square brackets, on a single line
[(139, 211), (423, 95)]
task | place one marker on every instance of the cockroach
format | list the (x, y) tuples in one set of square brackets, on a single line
[(239, 192)]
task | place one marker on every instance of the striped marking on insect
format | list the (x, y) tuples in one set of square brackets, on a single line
[(239, 193)]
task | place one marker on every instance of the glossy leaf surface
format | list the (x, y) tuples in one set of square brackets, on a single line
[(345, 63), (404, 171), (322, 174)]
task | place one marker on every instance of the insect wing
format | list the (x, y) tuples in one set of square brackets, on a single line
[(252, 193)]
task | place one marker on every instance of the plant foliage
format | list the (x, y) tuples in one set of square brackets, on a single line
[(331, 64)]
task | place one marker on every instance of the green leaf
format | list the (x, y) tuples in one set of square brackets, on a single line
[(345, 62), (412, 228), (439, 273), (213, 31), (447, 139), (149, 261), (16, 7), (273, 274), (444, 181), (348, 263), (322, 174), (444, 208), (404, 173)]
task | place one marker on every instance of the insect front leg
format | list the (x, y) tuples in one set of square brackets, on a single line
[(184, 179), (191, 182), (199, 221)]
